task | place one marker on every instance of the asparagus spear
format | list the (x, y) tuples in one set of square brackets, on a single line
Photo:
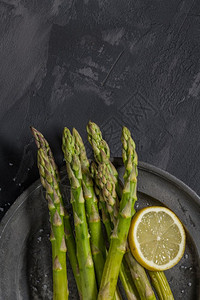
[(107, 184), (119, 236), (90, 197), (159, 280), (41, 142), (140, 278), (161, 285), (138, 273), (47, 174), (71, 250), (86, 266), (124, 272), (97, 240), (101, 151), (94, 222)]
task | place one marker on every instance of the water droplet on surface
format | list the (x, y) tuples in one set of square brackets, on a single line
[(190, 268), (41, 230), (0, 189), (182, 267), (189, 283), (183, 291), (1, 209), (44, 286), (186, 256), (14, 179), (136, 205), (10, 164), (19, 184), (39, 239)]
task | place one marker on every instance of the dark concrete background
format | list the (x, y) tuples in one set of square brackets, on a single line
[(133, 63)]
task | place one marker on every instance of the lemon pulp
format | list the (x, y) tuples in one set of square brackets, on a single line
[(157, 238)]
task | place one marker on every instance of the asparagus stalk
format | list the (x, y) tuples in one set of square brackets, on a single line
[(71, 250), (119, 236), (124, 273), (105, 181), (97, 241), (47, 174), (159, 280), (127, 282), (161, 285), (140, 278), (138, 273), (86, 266), (69, 238), (94, 222)]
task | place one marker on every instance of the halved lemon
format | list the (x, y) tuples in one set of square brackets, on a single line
[(157, 238)]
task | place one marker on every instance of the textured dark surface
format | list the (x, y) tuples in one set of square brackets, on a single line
[(55, 59)]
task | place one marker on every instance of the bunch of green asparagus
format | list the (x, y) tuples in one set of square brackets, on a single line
[(97, 197)]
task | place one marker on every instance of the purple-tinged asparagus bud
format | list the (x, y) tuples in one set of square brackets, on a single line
[(56, 265), (57, 219), (63, 246)]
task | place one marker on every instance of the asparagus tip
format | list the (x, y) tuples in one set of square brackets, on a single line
[(40, 141)]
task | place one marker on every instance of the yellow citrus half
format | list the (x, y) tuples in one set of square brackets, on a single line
[(157, 238)]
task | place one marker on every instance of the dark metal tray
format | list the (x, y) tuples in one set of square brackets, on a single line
[(25, 251)]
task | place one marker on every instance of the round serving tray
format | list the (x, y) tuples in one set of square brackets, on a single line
[(25, 251)]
